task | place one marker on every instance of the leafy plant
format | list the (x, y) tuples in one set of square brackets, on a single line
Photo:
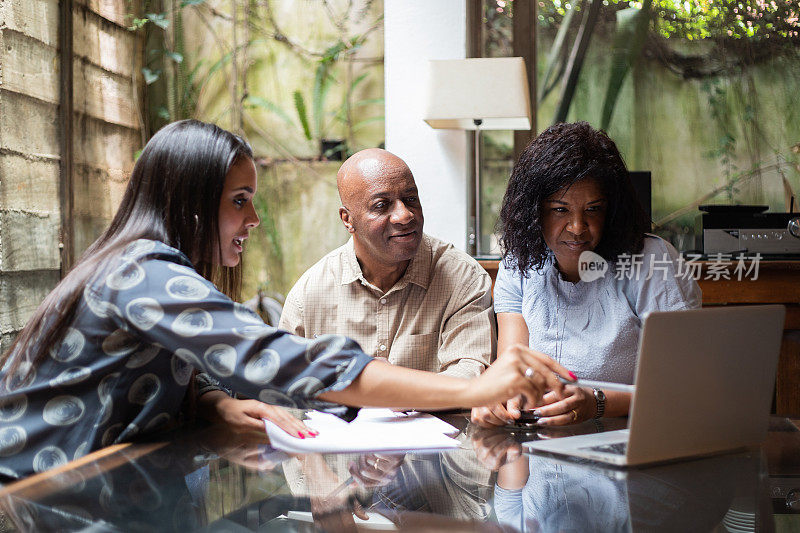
[(164, 61), (175, 86), (557, 58), (576, 57), (725, 151), (302, 114), (316, 127), (629, 38)]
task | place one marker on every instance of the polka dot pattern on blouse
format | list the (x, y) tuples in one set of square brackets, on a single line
[(144, 323)]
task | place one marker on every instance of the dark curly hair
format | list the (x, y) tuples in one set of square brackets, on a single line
[(560, 156)]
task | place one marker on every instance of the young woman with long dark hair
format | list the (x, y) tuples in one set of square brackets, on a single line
[(110, 352)]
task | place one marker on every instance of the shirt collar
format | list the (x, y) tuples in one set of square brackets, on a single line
[(351, 270), (418, 271)]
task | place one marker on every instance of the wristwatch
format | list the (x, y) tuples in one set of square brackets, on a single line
[(600, 399)]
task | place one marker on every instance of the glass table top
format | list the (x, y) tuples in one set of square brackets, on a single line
[(208, 479)]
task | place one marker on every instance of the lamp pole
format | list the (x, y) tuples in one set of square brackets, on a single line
[(477, 123)]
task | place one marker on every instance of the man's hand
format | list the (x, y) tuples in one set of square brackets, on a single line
[(498, 414), (375, 470), (495, 448)]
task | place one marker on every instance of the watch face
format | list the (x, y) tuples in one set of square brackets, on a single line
[(600, 395)]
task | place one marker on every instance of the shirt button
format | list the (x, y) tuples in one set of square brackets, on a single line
[(382, 347), (383, 300)]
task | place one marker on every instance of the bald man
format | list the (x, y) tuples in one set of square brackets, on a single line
[(406, 297), (402, 295)]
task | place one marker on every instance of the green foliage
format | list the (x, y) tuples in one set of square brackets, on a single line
[(498, 27), (323, 79), (175, 56), (645, 26), (725, 151), (179, 82), (338, 147), (302, 114), (735, 19), (150, 76), (324, 114), (629, 39), (556, 59), (263, 103), (165, 72), (361, 123), (370, 101), (694, 20), (159, 19), (137, 24)]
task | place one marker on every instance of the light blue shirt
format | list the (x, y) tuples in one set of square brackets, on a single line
[(564, 497), (592, 328)]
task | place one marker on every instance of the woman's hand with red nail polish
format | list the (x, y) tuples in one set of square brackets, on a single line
[(243, 416)]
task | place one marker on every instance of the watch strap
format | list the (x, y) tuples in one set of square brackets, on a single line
[(600, 401)]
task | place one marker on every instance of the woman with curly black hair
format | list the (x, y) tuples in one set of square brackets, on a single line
[(570, 194)]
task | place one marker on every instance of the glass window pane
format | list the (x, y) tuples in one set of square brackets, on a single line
[(497, 147), (701, 93)]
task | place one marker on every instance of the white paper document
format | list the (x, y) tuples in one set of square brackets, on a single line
[(374, 520), (373, 430)]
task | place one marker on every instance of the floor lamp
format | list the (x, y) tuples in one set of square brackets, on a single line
[(478, 94)]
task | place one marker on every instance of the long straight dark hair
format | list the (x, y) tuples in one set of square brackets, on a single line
[(173, 196)]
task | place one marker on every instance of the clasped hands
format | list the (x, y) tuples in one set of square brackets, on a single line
[(573, 405)]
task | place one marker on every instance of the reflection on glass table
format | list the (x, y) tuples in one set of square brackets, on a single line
[(209, 479)]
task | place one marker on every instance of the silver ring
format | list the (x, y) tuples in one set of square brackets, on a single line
[(529, 372)]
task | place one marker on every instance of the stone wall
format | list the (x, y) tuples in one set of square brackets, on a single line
[(106, 135), (107, 124)]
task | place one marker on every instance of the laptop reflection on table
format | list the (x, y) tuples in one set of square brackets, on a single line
[(704, 385), (720, 493)]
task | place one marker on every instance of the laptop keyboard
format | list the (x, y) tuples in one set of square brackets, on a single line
[(617, 448)]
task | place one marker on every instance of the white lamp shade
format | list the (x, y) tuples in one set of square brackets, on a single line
[(494, 90)]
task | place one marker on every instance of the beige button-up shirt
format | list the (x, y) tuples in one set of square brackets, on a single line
[(438, 317)]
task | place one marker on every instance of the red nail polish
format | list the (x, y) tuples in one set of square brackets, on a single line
[(301, 435), (573, 376)]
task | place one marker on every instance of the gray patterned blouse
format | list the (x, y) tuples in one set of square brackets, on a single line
[(123, 367)]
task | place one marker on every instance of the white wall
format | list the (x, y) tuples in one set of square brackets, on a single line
[(414, 32)]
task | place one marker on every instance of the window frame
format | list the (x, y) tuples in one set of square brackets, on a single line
[(524, 45)]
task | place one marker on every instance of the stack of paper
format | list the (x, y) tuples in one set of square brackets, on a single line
[(374, 520), (373, 430)]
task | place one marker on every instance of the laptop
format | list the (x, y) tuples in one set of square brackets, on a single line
[(704, 384)]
